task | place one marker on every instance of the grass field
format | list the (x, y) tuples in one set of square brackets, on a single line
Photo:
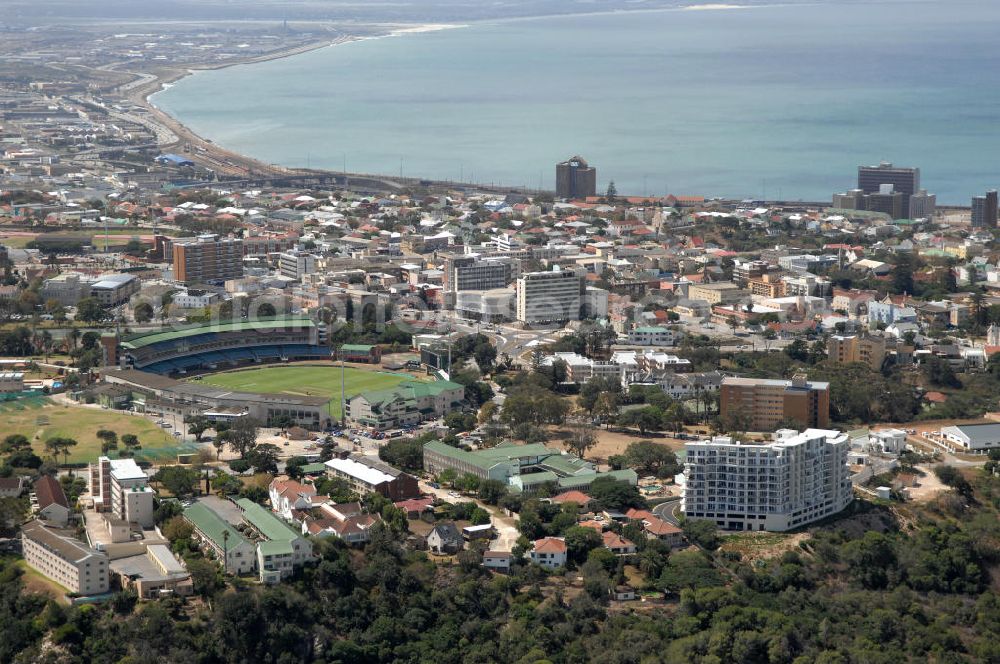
[(39, 418), (307, 381), (37, 582)]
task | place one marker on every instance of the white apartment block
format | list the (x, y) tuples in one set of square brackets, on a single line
[(121, 487), (64, 559), (296, 264), (653, 336), (797, 479), (194, 299), (549, 297)]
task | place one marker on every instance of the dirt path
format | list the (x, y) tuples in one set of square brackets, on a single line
[(611, 442)]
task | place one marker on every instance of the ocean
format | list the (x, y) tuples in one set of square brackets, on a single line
[(762, 102)]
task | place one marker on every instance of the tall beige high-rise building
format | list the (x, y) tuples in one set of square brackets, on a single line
[(208, 259), (549, 297), (767, 404), (868, 350)]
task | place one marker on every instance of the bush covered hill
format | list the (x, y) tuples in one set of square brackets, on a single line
[(885, 584)]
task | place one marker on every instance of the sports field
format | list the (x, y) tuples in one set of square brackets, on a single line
[(307, 381), (39, 418)]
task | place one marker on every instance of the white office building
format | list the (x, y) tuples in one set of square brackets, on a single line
[(549, 297), (131, 495), (296, 264), (797, 479)]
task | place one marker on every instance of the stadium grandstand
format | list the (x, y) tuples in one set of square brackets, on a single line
[(225, 344)]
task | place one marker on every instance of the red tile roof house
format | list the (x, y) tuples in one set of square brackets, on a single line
[(51, 501), (573, 496), (595, 525), (289, 495), (617, 544), (343, 520), (549, 552), (414, 507), (667, 532)]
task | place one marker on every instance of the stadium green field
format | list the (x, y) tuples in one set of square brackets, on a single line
[(310, 381)]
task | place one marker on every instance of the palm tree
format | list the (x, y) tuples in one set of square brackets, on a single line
[(225, 551), (708, 400), (74, 337), (46, 343)]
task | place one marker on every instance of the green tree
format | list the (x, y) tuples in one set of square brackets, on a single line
[(580, 541), (198, 425), (649, 458), (14, 443), (60, 445), (242, 436), (902, 274), (610, 493), (131, 443), (143, 312), (798, 350), (701, 532), (581, 440), (178, 480), (264, 458), (491, 491), (89, 310)]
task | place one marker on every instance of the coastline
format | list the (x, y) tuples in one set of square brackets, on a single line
[(218, 158), (230, 163)]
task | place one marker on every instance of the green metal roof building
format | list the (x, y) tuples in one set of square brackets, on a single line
[(281, 322), (410, 402), (219, 536), (281, 549), (523, 467)]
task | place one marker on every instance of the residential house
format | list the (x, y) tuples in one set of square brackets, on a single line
[(578, 498), (550, 552), (348, 521), (617, 544), (50, 501), (498, 561), (288, 496), (445, 538), (11, 487)]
